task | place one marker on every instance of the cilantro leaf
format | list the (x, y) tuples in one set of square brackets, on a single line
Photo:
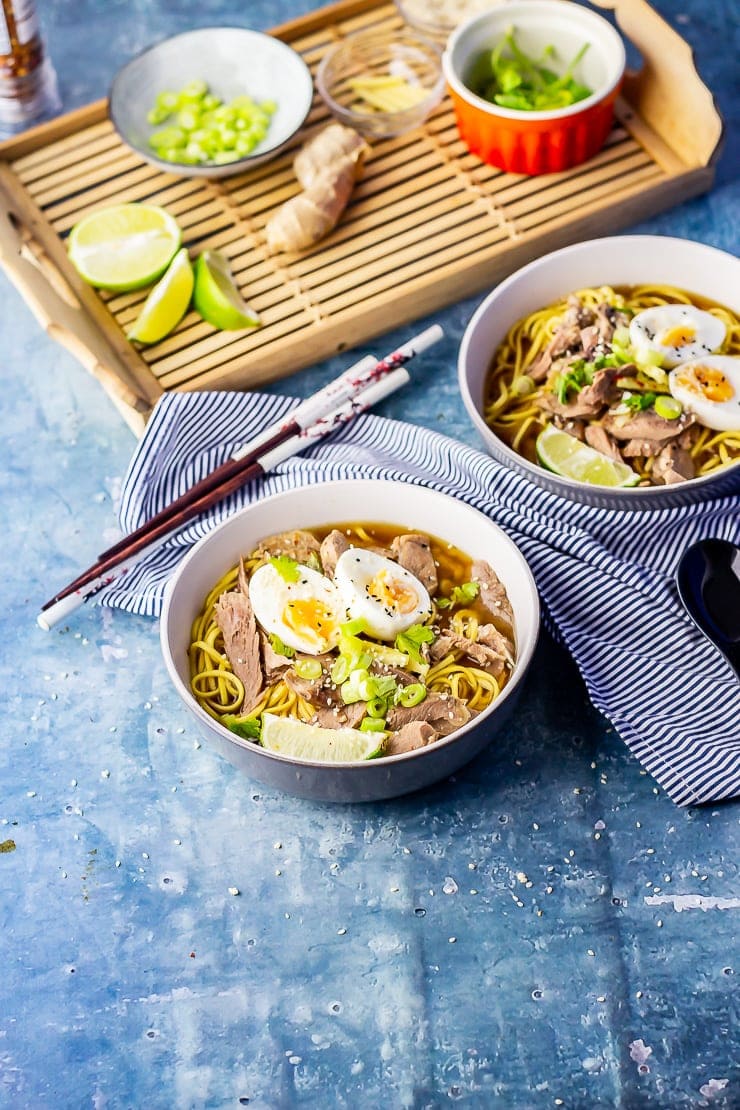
[(280, 648), (287, 568), (461, 595), (410, 642), (249, 728)]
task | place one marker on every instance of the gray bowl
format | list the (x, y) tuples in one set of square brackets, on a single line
[(411, 507), (232, 61), (621, 260)]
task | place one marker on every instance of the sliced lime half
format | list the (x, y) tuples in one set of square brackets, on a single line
[(565, 455), (125, 246), (288, 736)]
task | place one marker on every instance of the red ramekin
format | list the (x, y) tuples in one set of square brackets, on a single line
[(537, 142)]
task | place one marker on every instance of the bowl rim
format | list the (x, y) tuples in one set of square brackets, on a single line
[(580, 15), (205, 169), (412, 116), (632, 496), (522, 663)]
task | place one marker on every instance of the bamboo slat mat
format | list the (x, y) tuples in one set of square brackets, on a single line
[(427, 225)]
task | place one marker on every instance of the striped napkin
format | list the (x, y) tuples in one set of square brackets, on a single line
[(605, 577)]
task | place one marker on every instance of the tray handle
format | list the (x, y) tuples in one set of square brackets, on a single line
[(668, 92), (57, 309)]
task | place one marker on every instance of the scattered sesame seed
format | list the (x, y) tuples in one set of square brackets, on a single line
[(234, 890), (341, 932)]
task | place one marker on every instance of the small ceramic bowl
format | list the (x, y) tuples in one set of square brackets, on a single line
[(623, 260), (543, 141), (372, 54), (232, 61), (411, 507)]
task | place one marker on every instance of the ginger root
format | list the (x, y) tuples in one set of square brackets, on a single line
[(327, 167)]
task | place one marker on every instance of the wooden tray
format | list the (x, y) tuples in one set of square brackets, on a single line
[(428, 224)]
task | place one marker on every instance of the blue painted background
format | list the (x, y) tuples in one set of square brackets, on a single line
[(544, 930)]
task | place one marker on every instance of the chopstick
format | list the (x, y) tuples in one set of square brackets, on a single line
[(357, 392), (308, 412)]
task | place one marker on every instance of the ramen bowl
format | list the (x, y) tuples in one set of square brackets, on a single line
[(548, 140), (627, 260), (399, 503)]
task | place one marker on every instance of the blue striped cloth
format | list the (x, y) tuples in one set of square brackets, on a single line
[(605, 577)]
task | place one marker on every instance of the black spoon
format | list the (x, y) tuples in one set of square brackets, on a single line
[(708, 580)]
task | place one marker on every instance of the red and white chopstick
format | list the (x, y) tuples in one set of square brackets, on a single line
[(354, 392)]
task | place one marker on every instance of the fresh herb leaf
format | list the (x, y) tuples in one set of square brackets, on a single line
[(638, 402), (509, 77), (280, 648), (461, 595), (578, 374), (287, 568), (410, 642), (249, 728)]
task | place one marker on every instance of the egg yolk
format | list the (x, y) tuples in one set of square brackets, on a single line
[(309, 618), (679, 336), (707, 382), (392, 593)]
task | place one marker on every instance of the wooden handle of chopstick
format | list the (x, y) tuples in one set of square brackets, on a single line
[(668, 92), (57, 308)]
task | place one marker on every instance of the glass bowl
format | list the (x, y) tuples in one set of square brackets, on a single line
[(369, 58), (437, 19)]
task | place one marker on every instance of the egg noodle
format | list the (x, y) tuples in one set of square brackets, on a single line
[(221, 693), (510, 407)]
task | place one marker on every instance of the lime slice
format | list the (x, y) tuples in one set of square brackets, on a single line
[(565, 455), (123, 247), (293, 738), (165, 306), (217, 297)]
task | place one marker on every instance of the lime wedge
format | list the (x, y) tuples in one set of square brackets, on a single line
[(293, 738), (565, 455), (123, 247), (165, 306), (216, 296)]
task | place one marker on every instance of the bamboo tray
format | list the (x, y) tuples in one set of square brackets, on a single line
[(428, 224)]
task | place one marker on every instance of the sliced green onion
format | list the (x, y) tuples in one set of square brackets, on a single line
[(668, 407), (358, 687), (411, 695), (340, 670), (373, 724), (377, 707), (226, 132), (310, 669)]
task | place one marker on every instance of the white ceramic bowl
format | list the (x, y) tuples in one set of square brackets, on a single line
[(621, 260), (232, 61), (411, 507)]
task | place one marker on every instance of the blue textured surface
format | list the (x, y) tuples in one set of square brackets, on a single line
[(511, 938)]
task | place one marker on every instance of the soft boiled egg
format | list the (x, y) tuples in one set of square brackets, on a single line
[(710, 388), (676, 332), (381, 593), (304, 614)]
